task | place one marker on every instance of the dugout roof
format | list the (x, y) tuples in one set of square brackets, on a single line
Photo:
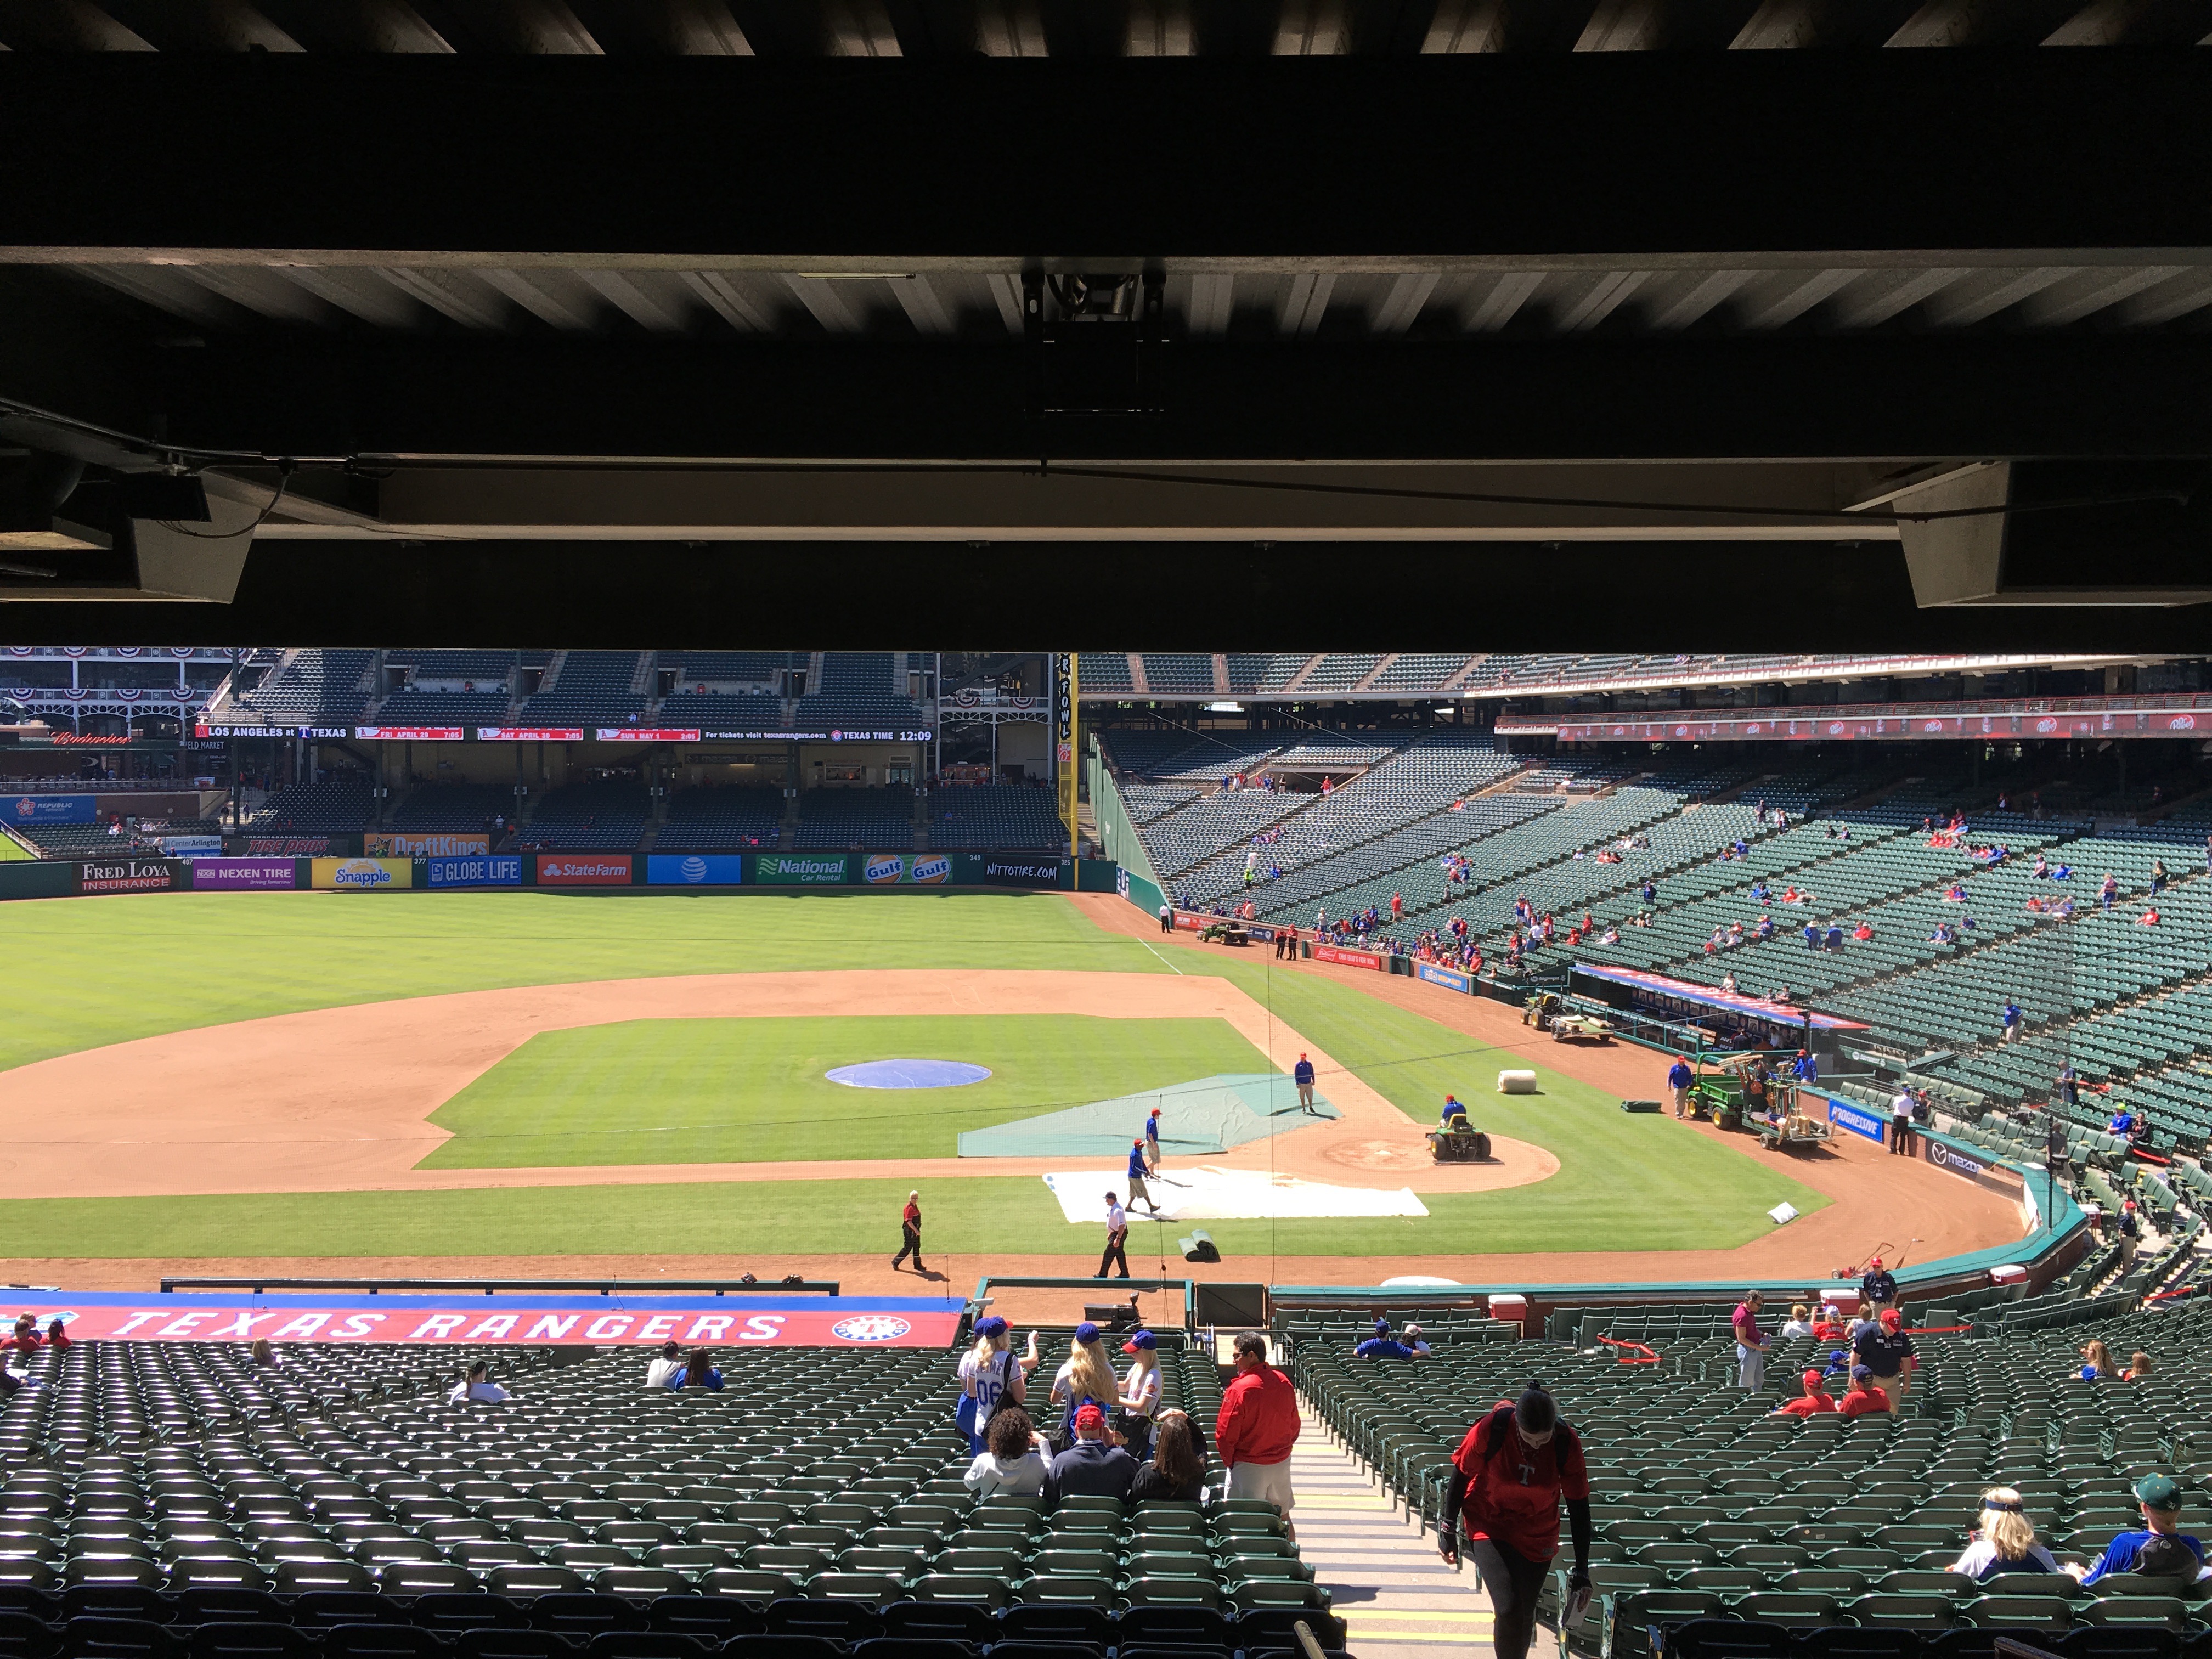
[(589, 311)]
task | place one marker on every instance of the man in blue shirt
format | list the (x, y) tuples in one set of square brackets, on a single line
[(2157, 1551), (1879, 1287), (1452, 1109), (1152, 1141), (1384, 1346), (1805, 1068), (1678, 1080), (1303, 1075), (2011, 1021), (1137, 1173)]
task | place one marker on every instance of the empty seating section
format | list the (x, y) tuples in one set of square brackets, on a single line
[(1251, 672), (314, 687), (722, 711), (1145, 801), (1003, 815), (1103, 671), (1338, 673), (1705, 1506), (1414, 671), (453, 807), (607, 816), (1323, 753), (719, 816), (1178, 671), (857, 692), (1187, 838), (589, 687), (418, 705), (877, 820), (315, 808), (732, 667), (177, 1483), (488, 669), (1403, 861)]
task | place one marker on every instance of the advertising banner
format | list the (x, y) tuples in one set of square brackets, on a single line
[(575, 1319), (1450, 978), (802, 869), (51, 809), (1843, 1115), (647, 734), (694, 869), (293, 846), (387, 844), (243, 875), (362, 875), (530, 734), (1020, 873), (484, 869), (129, 875), (1337, 953), (900, 869), (1974, 1165), (583, 869), (192, 846), (411, 733)]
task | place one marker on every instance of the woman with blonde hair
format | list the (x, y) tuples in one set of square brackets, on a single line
[(991, 1375), (1088, 1374), (2096, 1361), (2005, 1540)]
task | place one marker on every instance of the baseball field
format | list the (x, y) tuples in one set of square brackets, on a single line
[(638, 1083)]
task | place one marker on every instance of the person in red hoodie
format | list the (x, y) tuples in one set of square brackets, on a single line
[(1257, 1426), (1517, 1465)]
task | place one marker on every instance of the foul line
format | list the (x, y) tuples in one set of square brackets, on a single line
[(1148, 944)]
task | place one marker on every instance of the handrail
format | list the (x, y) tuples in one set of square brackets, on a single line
[(1646, 1355), (492, 1286), (978, 1301)]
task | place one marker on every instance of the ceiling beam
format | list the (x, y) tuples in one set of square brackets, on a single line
[(293, 155)]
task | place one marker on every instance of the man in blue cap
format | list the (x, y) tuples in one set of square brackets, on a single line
[(1384, 1346), (2157, 1550)]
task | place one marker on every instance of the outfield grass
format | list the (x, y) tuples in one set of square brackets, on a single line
[(100, 970), (1627, 1182), (12, 850), (736, 1090)]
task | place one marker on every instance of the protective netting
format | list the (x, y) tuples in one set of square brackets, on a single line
[(1209, 1114)]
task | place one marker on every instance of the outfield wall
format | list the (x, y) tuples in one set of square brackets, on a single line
[(580, 872)]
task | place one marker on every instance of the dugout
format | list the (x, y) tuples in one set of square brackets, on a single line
[(1682, 1017)]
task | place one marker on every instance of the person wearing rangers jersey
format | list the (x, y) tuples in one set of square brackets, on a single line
[(1517, 1465)]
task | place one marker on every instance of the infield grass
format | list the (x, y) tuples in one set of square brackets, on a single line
[(734, 1091)]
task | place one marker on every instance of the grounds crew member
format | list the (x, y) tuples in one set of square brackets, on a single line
[(1117, 1238), (1137, 1174), (910, 1224), (1303, 1075), (1678, 1083), (1518, 1464), (1152, 1141)]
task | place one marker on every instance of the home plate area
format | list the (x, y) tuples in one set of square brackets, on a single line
[(1206, 1192)]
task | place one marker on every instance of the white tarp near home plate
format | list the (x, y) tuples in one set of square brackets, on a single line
[(1207, 1193)]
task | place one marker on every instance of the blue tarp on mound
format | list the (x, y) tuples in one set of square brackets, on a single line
[(1209, 1115)]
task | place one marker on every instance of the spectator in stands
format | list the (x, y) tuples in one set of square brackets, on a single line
[(1750, 1341), (669, 1363), (1864, 932), (1086, 1375), (1091, 1467), (1012, 1463), (2149, 918), (265, 1356), (991, 1375), (478, 1385), (1728, 980), (2096, 1361), (1887, 1351), (2158, 878), (1511, 1473), (2003, 1540), (1140, 1394), (910, 1231), (1176, 1473), (1799, 1322), (698, 1372), (1812, 935), (58, 1336), (1678, 1077), (2010, 1022), (2139, 1366), (2158, 1550), (1862, 1396), (1383, 1345), (1829, 1327), (1256, 1428), (2123, 1122), (1815, 1400), (2069, 1084)]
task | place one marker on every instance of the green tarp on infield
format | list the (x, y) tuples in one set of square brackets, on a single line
[(1209, 1114)]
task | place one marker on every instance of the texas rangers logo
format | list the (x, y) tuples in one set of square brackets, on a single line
[(871, 1327)]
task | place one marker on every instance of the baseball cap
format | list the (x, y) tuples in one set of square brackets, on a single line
[(1876, 1262), (2159, 1491), (1141, 1342), (1811, 1379), (1861, 1373), (1891, 1319), (1090, 1416), (1381, 1328), (1412, 1330), (1086, 1332), (669, 1347), (992, 1326)]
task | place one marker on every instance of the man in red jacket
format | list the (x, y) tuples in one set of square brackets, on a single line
[(1257, 1427), (1518, 1464)]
